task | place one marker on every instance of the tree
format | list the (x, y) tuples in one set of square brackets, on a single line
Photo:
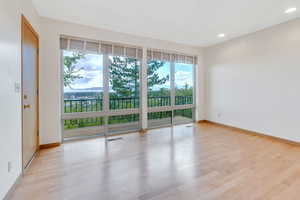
[(70, 71), (124, 74), (153, 77), (186, 90)]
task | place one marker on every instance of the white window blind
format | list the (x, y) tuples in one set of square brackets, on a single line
[(69, 43), (171, 57)]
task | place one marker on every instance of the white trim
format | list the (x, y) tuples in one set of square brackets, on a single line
[(144, 91), (196, 91), (160, 109), (13, 188), (123, 112), (181, 107), (106, 91), (62, 102), (172, 84)]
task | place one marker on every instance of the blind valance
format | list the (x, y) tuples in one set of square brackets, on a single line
[(100, 47), (69, 43), (171, 57)]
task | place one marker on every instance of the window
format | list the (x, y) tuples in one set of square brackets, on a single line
[(83, 84), (102, 88), (184, 84), (159, 88), (83, 92), (170, 88), (159, 119), (123, 123), (91, 126), (183, 116), (124, 83)]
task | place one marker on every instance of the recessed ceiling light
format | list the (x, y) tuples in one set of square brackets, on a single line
[(221, 35), (290, 10)]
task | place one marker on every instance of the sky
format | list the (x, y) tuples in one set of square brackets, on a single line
[(92, 72)]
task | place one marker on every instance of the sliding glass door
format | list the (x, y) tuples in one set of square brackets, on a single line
[(83, 92), (101, 88), (124, 94), (102, 85), (170, 89), (159, 93), (184, 92)]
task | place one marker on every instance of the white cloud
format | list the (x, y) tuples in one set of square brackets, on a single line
[(183, 77)]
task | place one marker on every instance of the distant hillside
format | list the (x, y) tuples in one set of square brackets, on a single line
[(92, 89)]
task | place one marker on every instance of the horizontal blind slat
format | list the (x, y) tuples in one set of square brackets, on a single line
[(90, 46), (169, 57), (63, 43), (76, 44)]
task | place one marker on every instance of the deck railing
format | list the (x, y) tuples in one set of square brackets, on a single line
[(82, 105), (96, 104), (183, 100), (159, 101)]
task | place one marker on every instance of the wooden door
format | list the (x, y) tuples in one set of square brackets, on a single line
[(30, 46)]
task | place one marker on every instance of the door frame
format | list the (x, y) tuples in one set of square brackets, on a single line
[(25, 22)]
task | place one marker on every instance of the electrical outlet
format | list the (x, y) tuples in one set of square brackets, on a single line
[(219, 115), (9, 166)]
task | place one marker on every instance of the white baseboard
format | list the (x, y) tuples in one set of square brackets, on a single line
[(13, 188)]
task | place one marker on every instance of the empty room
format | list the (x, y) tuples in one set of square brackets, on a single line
[(150, 100)]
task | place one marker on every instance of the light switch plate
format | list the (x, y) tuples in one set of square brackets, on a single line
[(9, 166), (17, 87)]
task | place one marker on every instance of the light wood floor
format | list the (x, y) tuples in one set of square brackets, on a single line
[(204, 161)]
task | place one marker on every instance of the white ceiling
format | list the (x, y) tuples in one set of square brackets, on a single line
[(193, 22)]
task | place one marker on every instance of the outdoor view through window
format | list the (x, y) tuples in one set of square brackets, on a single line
[(84, 85), (159, 91)]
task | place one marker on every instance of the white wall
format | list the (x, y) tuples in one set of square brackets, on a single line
[(50, 86), (253, 82), (29, 11), (10, 106)]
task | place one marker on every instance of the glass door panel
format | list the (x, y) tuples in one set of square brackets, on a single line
[(159, 119), (123, 123), (183, 116), (159, 88), (83, 85), (124, 83), (184, 83), (81, 127), (124, 93), (83, 91)]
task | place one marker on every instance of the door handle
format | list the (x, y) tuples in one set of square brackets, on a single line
[(27, 106)]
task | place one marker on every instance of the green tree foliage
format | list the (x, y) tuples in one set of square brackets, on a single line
[(153, 77), (70, 71), (187, 90), (124, 74)]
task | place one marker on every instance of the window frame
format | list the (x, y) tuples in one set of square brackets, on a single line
[(174, 107), (106, 112), (142, 110)]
